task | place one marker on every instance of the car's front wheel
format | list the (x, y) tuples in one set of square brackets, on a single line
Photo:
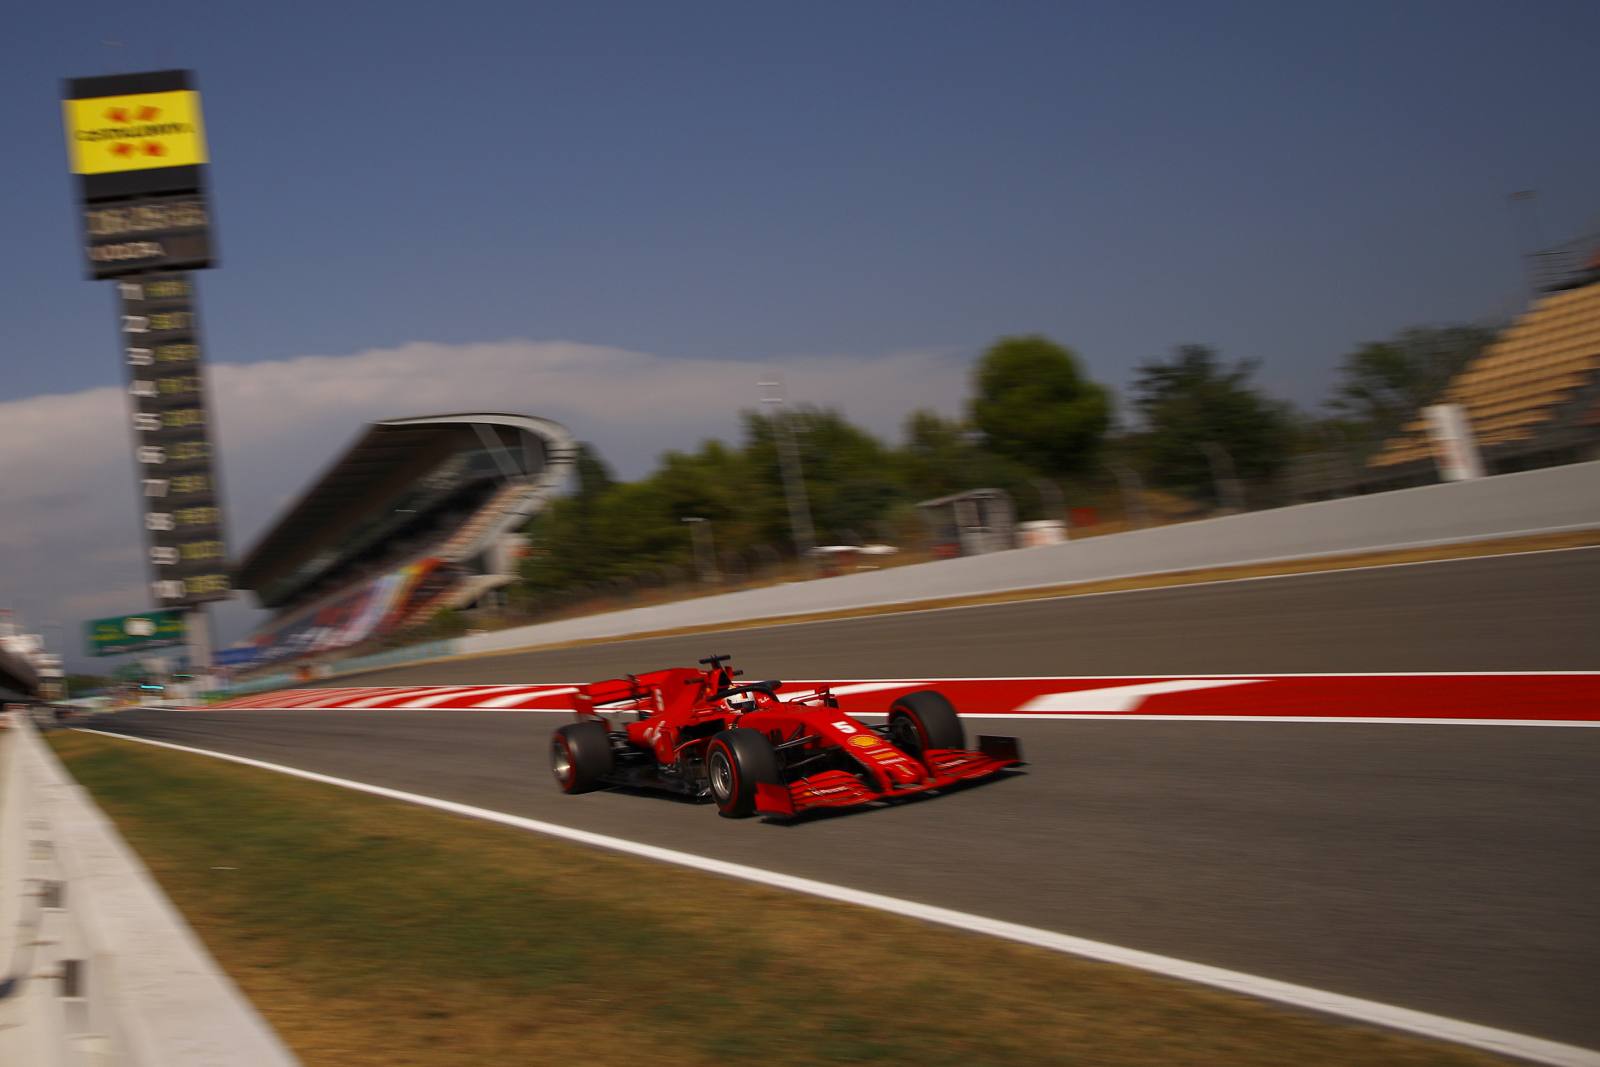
[(923, 720), (737, 761), (580, 756)]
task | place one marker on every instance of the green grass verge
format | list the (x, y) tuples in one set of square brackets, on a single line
[(368, 931)]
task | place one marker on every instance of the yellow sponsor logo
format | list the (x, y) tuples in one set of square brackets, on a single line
[(106, 134), (864, 740)]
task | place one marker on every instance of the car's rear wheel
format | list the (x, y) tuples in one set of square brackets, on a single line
[(923, 720), (737, 761), (580, 756)]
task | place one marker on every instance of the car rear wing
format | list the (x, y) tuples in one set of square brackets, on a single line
[(648, 694)]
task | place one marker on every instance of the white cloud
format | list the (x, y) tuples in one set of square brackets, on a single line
[(69, 536)]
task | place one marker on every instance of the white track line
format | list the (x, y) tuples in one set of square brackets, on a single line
[(395, 693), (330, 694), (1368, 1011), (1124, 697), (527, 694), (433, 700)]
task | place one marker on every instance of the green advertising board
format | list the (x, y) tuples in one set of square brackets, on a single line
[(134, 633)]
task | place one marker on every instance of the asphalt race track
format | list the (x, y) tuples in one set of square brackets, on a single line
[(1450, 869), (1535, 612)]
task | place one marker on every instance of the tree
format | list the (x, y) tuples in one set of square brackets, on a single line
[(564, 534), (1034, 405), (447, 622), (79, 685), (1192, 407), (938, 457), (941, 456), (1385, 383), (606, 531), (594, 475), (848, 473)]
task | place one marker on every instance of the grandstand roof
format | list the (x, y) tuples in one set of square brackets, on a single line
[(386, 461)]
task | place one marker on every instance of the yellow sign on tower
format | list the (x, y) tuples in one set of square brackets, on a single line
[(107, 134)]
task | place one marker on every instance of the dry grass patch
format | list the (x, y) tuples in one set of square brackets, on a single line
[(371, 932)]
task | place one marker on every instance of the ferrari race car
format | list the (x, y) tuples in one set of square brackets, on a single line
[(699, 733)]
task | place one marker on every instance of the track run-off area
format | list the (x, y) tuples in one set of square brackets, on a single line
[(1426, 839)]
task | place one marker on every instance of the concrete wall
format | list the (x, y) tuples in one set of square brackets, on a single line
[(1555, 498), (75, 899)]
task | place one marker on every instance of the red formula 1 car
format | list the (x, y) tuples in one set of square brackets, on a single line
[(699, 733)]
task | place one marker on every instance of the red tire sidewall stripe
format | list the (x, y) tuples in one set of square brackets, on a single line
[(916, 723)]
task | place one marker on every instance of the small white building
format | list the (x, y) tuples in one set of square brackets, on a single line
[(971, 523)]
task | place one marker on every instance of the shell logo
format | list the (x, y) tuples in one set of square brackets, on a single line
[(865, 740), (126, 116), (146, 113)]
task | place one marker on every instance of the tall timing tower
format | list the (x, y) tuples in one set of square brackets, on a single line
[(137, 150)]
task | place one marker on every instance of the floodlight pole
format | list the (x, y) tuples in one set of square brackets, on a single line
[(197, 632), (1050, 499), (794, 484), (1133, 506), (1524, 205), (1230, 494), (705, 558)]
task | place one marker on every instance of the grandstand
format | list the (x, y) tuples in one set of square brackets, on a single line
[(416, 516), (1532, 397)]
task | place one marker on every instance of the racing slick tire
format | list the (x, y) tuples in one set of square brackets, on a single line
[(580, 756), (736, 760), (923, 720)]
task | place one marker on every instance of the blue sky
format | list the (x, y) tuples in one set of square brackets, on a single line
[(470, 203), (758, 180)]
